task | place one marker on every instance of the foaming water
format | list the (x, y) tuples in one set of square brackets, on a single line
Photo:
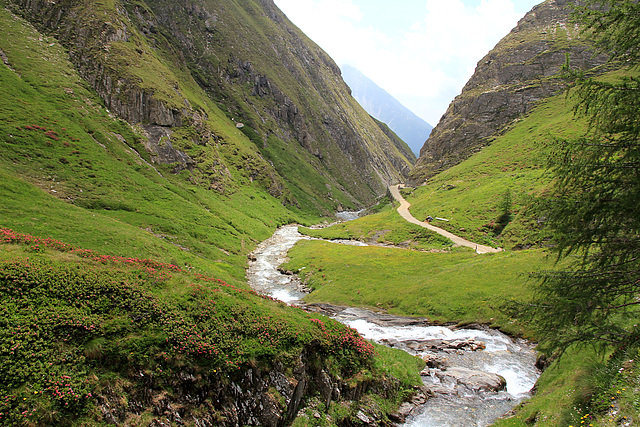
[(348, 216), (263, 274)]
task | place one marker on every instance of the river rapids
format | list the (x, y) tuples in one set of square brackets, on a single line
[(474, 352)]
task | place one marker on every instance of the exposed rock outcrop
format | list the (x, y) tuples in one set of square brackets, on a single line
[(322, 118), (269, 397), (521, 70), (89, 39), (158, 143)]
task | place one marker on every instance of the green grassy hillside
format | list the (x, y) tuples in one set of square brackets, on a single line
[(384, 228), (72, 171), (487, 198), (203, 72)]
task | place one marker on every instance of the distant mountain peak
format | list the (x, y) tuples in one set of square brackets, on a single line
[(384, 107)]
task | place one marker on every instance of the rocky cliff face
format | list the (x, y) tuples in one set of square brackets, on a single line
[(165, 64), (250, 397), (520, 71)]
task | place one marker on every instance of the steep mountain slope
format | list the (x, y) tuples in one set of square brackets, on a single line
[(508, 82), (384, 107), (165, 65)]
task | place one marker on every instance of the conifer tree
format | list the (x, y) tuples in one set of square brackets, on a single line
[(594, 210)]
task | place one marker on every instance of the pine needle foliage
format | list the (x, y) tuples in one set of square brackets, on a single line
[(594, 210)]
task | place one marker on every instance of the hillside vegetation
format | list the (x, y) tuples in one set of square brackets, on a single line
[(487, 199), (85, 325)]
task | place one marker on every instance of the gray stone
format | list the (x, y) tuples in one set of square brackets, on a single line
[(474, 380)]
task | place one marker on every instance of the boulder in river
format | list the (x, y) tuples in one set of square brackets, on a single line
[(473, 380), (445, 345), (435, 361)]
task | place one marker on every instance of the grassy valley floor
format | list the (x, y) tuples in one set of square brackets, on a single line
[(447, 287)]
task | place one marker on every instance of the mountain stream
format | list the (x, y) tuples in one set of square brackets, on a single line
[(461, 363)]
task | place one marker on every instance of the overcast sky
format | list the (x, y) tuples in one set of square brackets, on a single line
[(420, 51)]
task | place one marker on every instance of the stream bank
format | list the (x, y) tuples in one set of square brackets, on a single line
[(473, 376)]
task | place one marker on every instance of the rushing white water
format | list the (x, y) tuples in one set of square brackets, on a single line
[(263, 274), (455, 404), (348, 216), (514, 360)]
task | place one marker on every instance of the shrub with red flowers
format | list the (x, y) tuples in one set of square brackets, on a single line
[(8, 236), (67, 391), (60, 320), (344, 341), (49, 133), (52, 135)]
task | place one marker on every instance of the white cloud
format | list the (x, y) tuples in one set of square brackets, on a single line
[(427, 65), (446, 46), (336, 26)]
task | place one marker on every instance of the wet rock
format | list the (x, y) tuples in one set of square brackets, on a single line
[(474, 380), (543, 362), (441, 390), (444, 345), (377, 318), (408, 408), (436, 361), (285, 272)]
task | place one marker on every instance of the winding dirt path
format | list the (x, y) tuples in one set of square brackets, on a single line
[(403, 210)]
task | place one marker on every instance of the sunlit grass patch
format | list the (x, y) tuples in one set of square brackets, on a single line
[(446, 287)]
